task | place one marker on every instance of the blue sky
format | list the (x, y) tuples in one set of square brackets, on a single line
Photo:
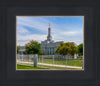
[(67, 29)]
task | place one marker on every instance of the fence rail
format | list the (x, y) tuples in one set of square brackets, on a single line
[(52, 61)]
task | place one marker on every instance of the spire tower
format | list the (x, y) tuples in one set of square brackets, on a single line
[(49, 37)]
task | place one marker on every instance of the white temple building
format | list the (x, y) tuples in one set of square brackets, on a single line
[(49, 46)]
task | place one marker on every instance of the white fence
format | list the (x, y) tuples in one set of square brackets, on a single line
[(51, 61)]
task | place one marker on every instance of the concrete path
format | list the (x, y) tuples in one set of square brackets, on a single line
[(59, 65), (45, 64)]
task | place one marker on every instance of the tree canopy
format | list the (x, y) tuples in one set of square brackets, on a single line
[(80, 49), (66, 49), (33, 47), (18, 48), (41, 52)]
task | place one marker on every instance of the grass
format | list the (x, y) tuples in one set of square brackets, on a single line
[(63, 62), (28, 67), (20, 66)]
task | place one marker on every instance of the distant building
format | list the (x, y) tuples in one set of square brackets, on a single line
[(49, 46), (22, 49)]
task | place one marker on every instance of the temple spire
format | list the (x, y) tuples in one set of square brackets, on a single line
[(49, 37), (49, 24)]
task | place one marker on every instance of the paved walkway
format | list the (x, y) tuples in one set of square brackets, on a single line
[(50, 65)]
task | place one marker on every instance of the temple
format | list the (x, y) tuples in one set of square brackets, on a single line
[(49, 46)]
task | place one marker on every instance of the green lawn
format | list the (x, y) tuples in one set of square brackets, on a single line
[(19, 66), (63, 62), (28, 67)]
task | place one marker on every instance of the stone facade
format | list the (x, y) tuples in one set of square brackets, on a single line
[(49, 46)]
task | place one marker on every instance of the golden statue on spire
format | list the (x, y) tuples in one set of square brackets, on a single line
[(49, 24)]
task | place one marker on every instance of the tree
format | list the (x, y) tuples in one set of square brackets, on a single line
[(33, 47), (66, 49), (80, 49), (41, 52), (18, 48)]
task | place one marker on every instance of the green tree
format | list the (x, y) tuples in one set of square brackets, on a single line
[(80, 49), (66, 49), (41, 52), (33, 47), (18, 48)]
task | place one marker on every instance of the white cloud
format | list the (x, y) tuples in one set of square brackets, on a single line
[(70, 33), (42, 25), (23, 39), (22, 30)]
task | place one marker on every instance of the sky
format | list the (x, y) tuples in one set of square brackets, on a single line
[(67, 29)]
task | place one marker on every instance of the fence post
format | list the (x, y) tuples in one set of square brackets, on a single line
[(42, 59), (82, 62), (53, 59), (35, 60), (22, 58), (75, 56), (66, 60), (28, 59)]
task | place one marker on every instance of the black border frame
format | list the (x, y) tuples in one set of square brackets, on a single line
[(8, 73)]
